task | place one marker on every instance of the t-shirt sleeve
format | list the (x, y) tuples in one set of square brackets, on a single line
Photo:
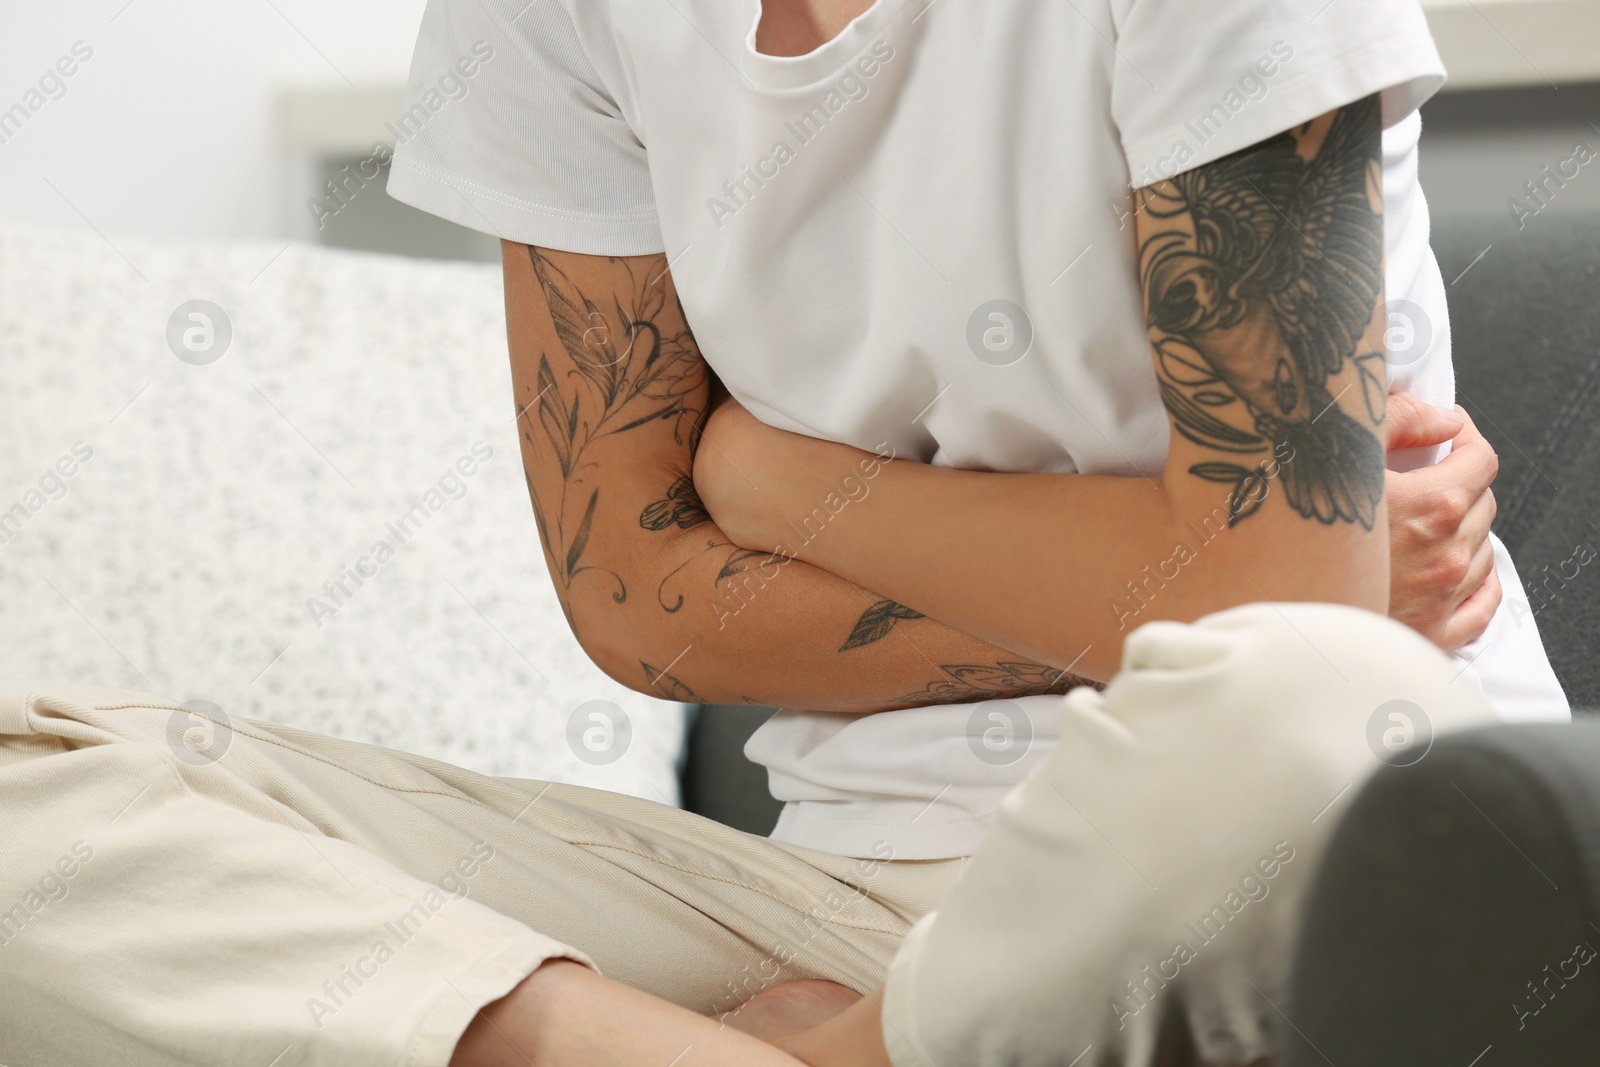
[(1193, 81), (509, 128)]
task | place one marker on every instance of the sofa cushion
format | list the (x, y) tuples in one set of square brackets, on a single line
[(1525, 327), (220, 540), (1455, 910)]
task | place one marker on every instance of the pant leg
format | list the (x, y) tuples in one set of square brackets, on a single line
[(276, 897), (1140, 893)]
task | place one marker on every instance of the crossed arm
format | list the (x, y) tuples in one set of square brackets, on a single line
[(612, 394), (663, 509)]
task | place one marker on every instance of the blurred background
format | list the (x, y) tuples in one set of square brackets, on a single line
[(316, 513), (205, 548), (221, 120)]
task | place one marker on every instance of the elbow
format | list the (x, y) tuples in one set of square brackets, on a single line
[(616, 654), (642, 663)]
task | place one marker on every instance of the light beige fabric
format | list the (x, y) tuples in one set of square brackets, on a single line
[(1158, 861), (178, 889)]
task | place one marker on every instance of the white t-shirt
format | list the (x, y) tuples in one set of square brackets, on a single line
[(839, 224)]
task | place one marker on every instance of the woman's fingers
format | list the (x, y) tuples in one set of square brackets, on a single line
[(1442, 581), (1479, 521), (1472, 461), (1411, 423), (1472, 616), (1478, 572)]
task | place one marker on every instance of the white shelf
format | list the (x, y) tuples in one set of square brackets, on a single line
[(1485, 44), (1506, 43), (337, 120)]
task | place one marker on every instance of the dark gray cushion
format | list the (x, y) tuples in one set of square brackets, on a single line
[(1448, 887), (1525, 326), (718, 782)]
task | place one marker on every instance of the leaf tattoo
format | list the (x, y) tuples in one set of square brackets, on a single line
[(580, 540), (968, 682), (746, 559), (625, 372), (1249, 486), (876, 622), (671, 687)]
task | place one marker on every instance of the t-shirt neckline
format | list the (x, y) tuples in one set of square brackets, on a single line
[(819, 64)]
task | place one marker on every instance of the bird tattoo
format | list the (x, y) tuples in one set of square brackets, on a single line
[(1259, 292)]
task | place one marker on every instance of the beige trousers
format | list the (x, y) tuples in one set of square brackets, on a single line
[(269, 897)]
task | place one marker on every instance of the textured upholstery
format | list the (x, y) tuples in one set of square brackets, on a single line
[(1525, 321), (189, 554)]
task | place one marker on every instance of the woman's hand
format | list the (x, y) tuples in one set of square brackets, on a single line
[(1442, 582), (732, 459), (755, 479)]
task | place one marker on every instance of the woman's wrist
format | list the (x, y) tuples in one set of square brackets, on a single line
[(765, 487), (834, 480), (813, 484)]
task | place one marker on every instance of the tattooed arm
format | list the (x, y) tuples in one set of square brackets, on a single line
[(1262, 276), (611, 392)]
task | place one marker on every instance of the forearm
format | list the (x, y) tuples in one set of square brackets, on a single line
[(1062, 566), (687, 614), (611, 392)]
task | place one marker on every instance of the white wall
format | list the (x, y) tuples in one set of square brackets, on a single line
[(169, 129)]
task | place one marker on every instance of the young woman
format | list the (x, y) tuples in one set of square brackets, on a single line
[(903, 365)]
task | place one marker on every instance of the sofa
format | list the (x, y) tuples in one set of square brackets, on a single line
[(203, 526)]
